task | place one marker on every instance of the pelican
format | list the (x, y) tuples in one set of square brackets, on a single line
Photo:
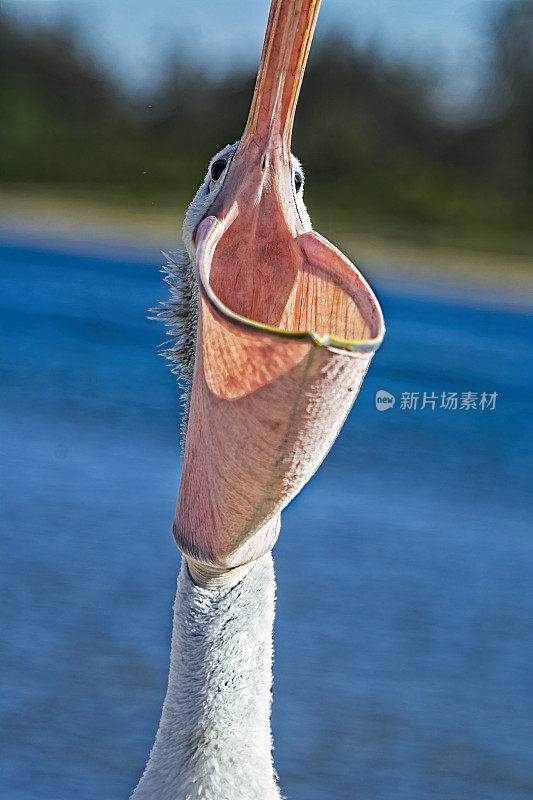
[(273, 330)]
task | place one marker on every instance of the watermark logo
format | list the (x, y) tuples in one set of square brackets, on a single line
[(384, 400), (447, 401)]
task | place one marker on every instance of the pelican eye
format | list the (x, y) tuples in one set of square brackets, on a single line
[(298, 180), (217, 169)]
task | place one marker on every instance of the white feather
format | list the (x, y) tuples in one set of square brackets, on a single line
[(214, 740)]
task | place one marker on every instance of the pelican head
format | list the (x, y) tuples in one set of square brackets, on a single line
[(275, 326), (212, 184)]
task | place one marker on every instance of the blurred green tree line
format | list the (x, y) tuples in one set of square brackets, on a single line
[(375, 151)]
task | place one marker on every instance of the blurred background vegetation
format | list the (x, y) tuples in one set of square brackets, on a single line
[(379, 155)]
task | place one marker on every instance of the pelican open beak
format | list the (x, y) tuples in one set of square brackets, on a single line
[(286, 329)]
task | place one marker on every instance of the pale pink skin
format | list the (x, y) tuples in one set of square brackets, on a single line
[(265, 409)]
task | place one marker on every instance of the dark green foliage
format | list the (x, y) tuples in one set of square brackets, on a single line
[(374, 151)]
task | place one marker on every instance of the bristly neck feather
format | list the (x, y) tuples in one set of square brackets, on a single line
[(180, 314)]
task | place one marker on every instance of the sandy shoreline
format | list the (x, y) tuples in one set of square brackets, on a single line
[(143, 232)]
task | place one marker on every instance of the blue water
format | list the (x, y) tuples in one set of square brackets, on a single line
[(405, 596)]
